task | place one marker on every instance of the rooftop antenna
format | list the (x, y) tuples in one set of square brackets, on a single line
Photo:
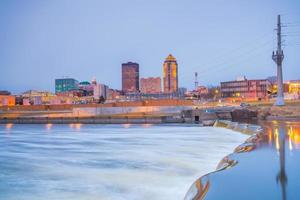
[(196, 80)]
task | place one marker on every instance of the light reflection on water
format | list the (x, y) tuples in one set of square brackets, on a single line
[(107, 161), (9, 126), (267, 170)]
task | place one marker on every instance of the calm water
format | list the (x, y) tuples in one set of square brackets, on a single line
[(266, 167), (108, 161)]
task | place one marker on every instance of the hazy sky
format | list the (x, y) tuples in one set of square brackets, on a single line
[(42, 40)]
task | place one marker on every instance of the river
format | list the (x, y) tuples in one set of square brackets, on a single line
[(108, 161)]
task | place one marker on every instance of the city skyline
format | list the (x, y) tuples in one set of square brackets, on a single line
[(49, 40)]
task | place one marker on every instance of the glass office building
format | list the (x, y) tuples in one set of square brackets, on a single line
[(65, 84)]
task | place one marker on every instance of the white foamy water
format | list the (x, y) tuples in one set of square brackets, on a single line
[(111, 162)]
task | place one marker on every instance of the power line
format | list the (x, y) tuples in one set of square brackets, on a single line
[(234, 64), (237, 57), (224, 55), (291, 23), (292, 44)]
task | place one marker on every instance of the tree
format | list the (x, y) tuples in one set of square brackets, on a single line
[(101, 99)]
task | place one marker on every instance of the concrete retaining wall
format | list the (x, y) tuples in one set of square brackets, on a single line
[(91, 120)]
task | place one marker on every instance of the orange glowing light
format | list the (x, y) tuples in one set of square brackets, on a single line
[(146, 125), (277, 139), (78, 126), (270, 136), (294, 135), (9, 126), (290, 144), (126, 125), (49, 126)]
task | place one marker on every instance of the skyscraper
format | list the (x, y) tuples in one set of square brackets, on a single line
[(170, 75), (130, 77)]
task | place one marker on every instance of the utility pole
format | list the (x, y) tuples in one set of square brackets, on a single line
[(196, 81), (278, 58)]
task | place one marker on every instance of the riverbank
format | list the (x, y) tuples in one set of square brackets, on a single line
[(171, 111), (265, 166), (150, 111), (290, 111), (126, 119)]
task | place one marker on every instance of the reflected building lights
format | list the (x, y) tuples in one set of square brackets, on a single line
[(292, 138), (49, 126), (126, 125), (276, 134), (270, 137), (290, 135), (147, 125), (290, 144), (9, 126), (77, 126)]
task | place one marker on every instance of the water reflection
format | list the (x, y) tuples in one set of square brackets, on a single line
[(9, 126), (126, 125), (281, 177), (199, 189), (49, 126), (261, 159), (76, 126)]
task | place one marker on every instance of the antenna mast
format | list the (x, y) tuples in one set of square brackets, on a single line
[(196, 81)]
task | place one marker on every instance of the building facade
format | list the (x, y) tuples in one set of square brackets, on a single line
[(4, 92), (101, 90), (245, 89), (7, 100), (293, 86), (292, 89), (130, 77), (170, 75), (151, 85), (87, 87), (65, 84)]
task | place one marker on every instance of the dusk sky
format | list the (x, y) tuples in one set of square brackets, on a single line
[(42, 40)]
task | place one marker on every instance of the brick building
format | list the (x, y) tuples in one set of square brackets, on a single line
[(245, 89), (130, 77), (151, 85)]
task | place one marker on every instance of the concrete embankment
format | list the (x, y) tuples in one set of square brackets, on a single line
[(90, 120), (144, 112), (245, 128), (95, 114), (269, 112), (152, 111)]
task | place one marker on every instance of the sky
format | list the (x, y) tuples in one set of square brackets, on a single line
[(41, 40)]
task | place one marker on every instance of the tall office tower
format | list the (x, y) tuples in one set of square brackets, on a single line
[(130, 77), (170, 75)]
